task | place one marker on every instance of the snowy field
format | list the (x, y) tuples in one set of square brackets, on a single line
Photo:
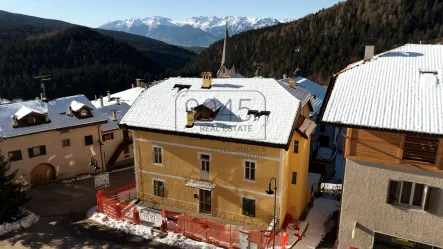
[(172, 239)]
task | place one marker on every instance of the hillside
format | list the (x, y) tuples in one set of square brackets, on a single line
[(79, 59), (167, 56), (323, 43)]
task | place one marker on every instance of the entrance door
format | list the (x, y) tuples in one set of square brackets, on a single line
[(42, 173), (243, 241), (205, 201)]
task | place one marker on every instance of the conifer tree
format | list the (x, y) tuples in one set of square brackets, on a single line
[(12, 194)]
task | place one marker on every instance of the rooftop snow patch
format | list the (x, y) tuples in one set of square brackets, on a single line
[(391, 92), (161, 109), (25, 111)]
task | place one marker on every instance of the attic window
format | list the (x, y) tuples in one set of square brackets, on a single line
[(428, 77), (181, 87)]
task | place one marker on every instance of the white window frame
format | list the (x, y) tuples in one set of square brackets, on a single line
[(411, 197), (250, 198), (153, 154), (244, 171), (202, 160)]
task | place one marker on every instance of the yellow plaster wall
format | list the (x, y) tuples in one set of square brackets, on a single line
[(226, 171)]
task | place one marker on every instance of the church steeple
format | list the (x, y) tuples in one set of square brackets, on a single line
[(227, 46)]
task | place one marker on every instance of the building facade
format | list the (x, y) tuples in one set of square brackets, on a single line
[(391, 104), (188, 160), (51, 140)]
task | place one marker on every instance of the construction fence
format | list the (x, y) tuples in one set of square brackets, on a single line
[(116, 203), (223, 235)]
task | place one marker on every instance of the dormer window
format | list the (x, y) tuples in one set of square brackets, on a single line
[(258, 114), (180, 87), (208, 110), (79, 110), (27, 116)]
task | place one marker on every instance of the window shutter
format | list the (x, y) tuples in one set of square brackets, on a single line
[(42, 150), (393, 192), (252, 208), (155, 188), (245, 206), (161, 190), (432, 200), (31, 152)]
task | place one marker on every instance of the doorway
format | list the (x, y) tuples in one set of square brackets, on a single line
[(42, 173), (205, 201)]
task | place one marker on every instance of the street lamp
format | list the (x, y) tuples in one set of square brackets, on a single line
[(93, 163), (273, 192)]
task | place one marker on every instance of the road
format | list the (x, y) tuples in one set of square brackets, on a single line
[(55, 203)]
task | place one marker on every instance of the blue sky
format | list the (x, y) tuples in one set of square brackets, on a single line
[(93, 13)]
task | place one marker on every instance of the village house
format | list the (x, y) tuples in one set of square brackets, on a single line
[(392, 106), (117, 143), (49, 140), (212, 146)]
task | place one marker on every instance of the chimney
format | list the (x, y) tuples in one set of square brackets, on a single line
[(95, 96), (369, 48), (190, 118), (46, 117), (132, 86), (292, 82), (43, 96), (14, 121), (101, 101), (114, 115), (118, 101), (138, 82), (207, 80), (70, 113), (109, 95), (284, 76)]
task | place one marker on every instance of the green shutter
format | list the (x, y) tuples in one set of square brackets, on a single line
[(19, 155), (42, 150), (252, 208), (161, 190), (30, 152), (245, 206)]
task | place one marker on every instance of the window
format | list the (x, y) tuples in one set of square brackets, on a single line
[(37, 151), (248, 206), (108, 136), (420, 148), (159, 188), (387, 241), (89, 140), (204, 159), (413, 195), (294, 178), (84, 113), (62, 131), (295, 146), (250, 170), (15, 155), (66, 142), (31, 120), (158, 154), (322, 128)]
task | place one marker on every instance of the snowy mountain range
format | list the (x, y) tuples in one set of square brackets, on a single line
[(196, 31)]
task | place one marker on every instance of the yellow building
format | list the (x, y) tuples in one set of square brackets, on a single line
[(211, 146), (49, 140)]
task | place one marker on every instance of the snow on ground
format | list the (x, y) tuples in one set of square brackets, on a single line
[(173, 239), (25, 222), (318, 215), (90, 176)]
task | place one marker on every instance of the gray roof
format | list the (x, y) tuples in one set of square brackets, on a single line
[(107, 111), (317, 91), (4, 101), (302, 95), (57, 111)]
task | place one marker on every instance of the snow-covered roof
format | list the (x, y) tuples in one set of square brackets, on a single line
[(127, 96), (163, 108), (317, 91), (57, 111), (4, 101), (77, 106), (108, 112), (398, 90), (25, 111)]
